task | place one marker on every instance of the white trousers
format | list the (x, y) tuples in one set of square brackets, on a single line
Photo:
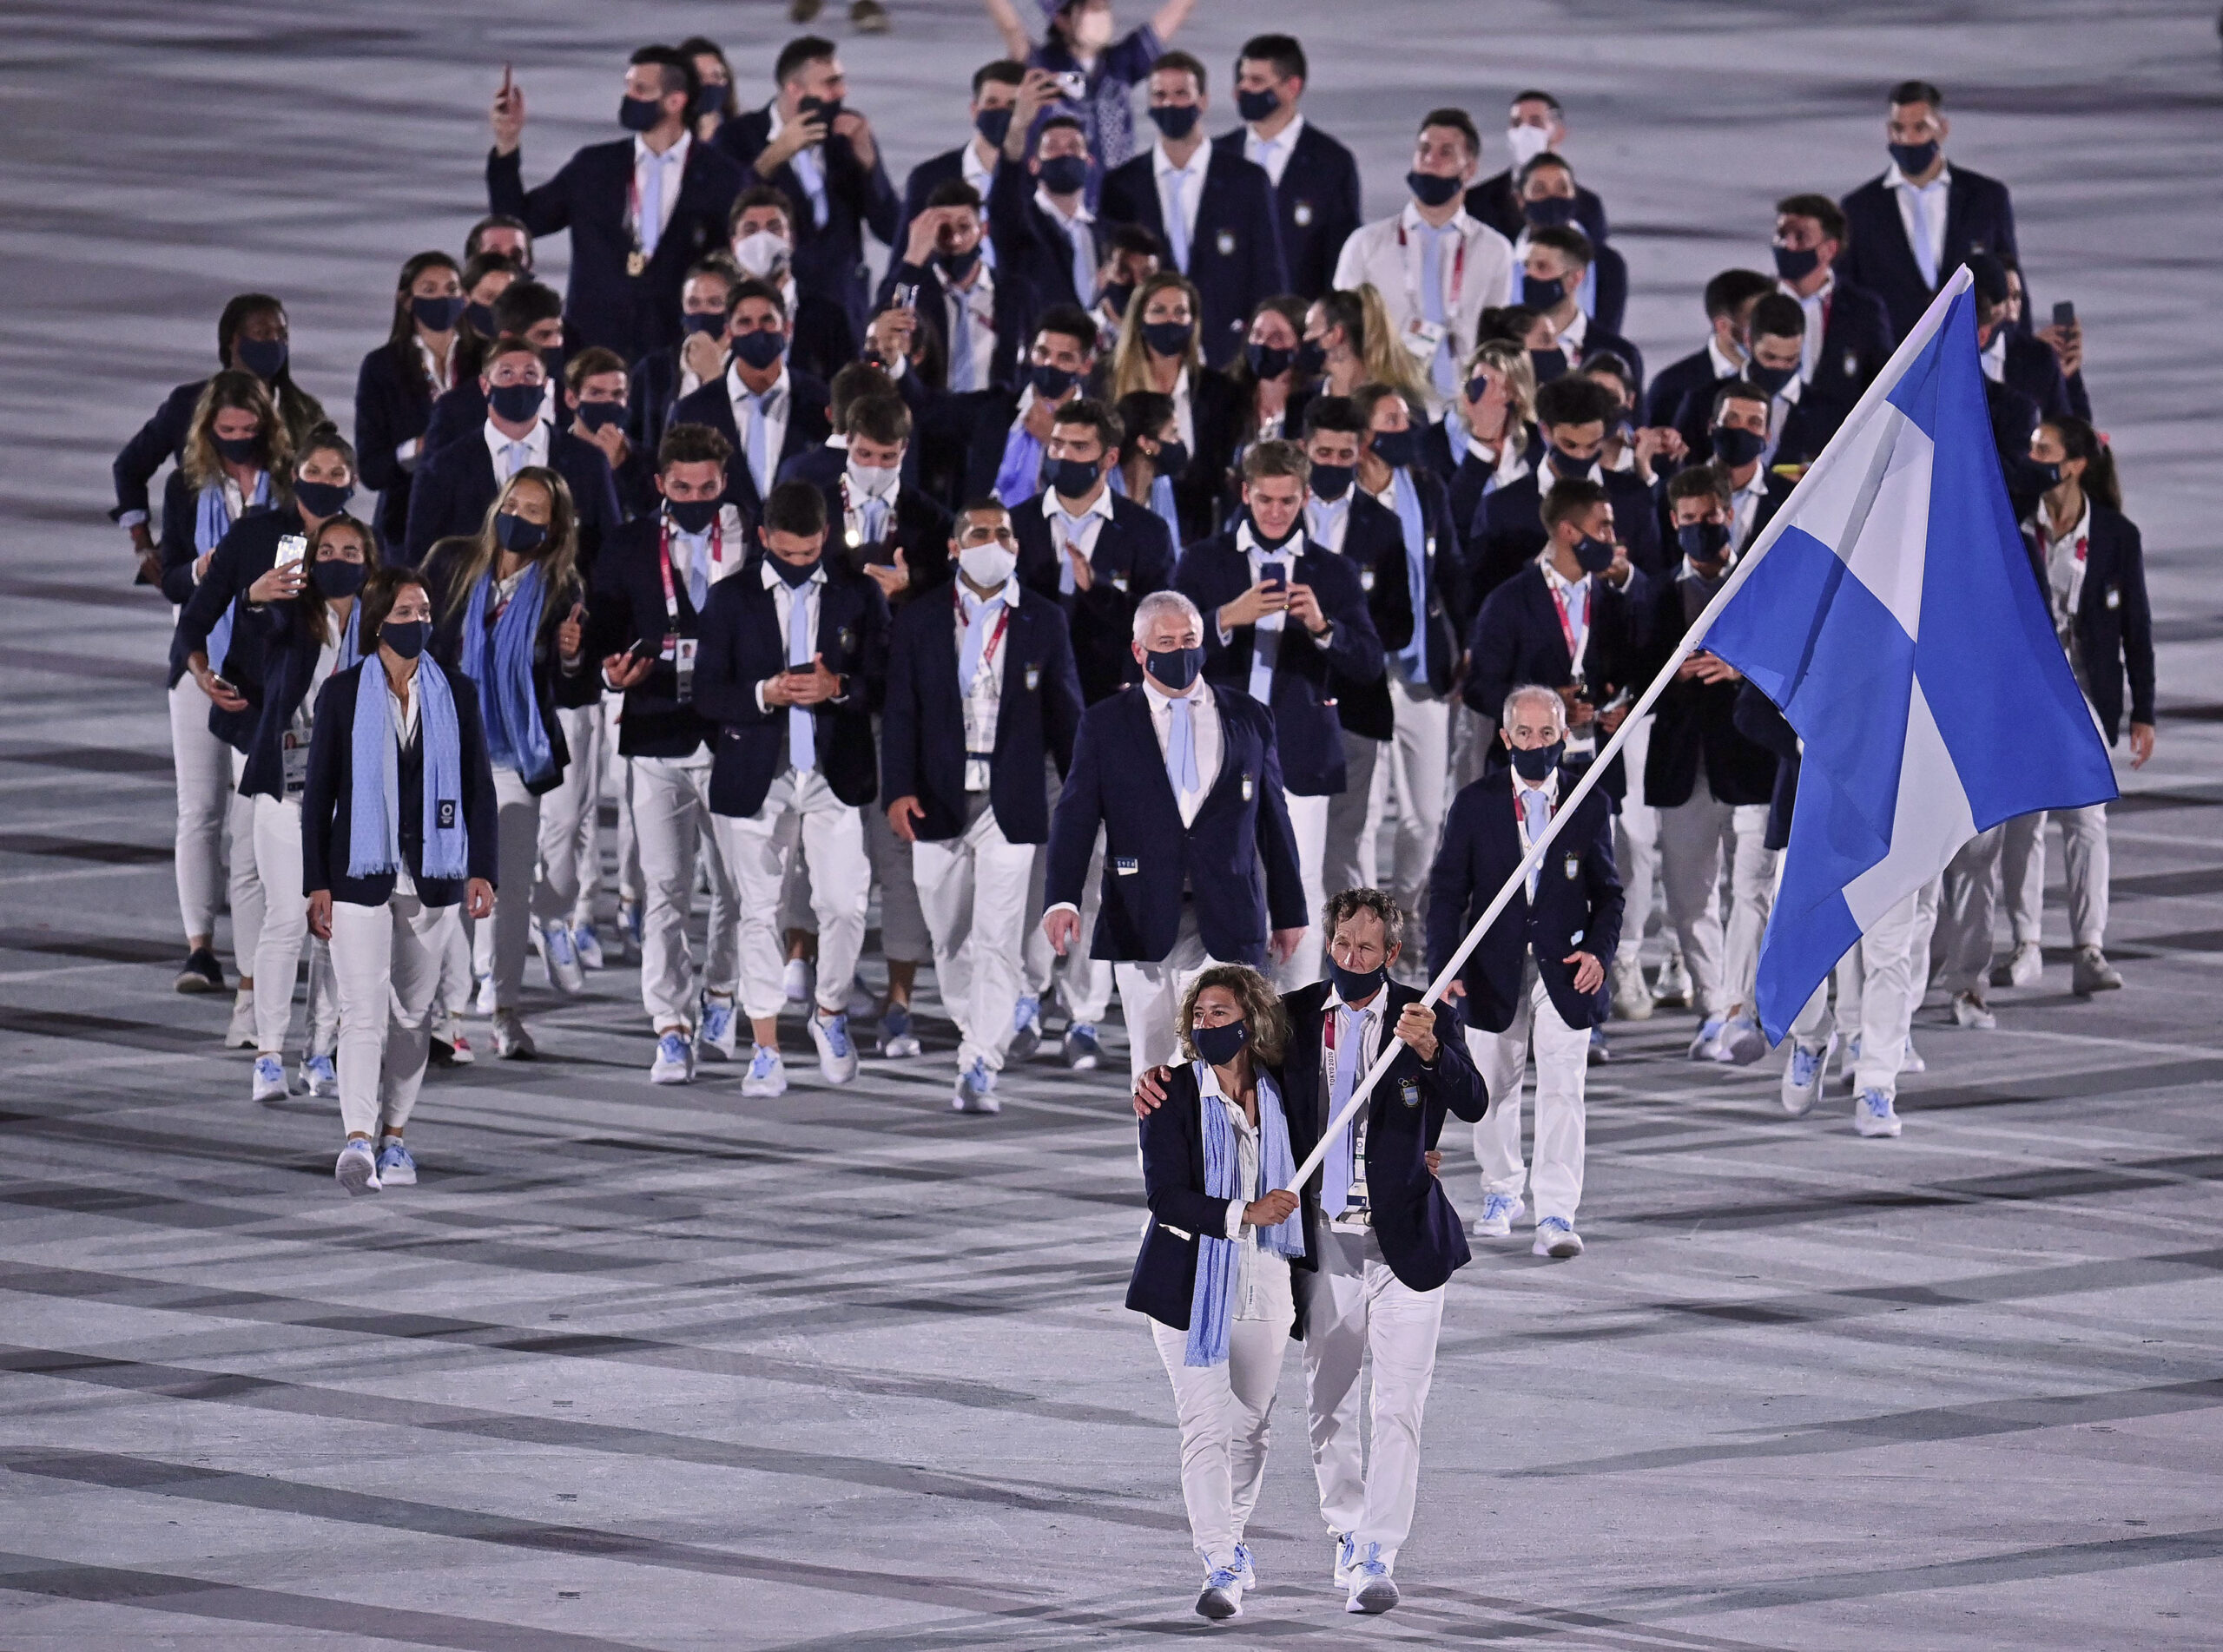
[(1966, 912), (1419, 765), (1088, 980), (1723, 959), (1879, 985), (617, 782), (671, 811), (1226, 1416), (2086, 864), (1355, 1306), (801, 815), (386, 961), (1149, 995), (1308, 818), (1636, 850), (1554, 1178), (974, 889), (1349, 849), (285, 926), (210, 808), (517, 840), (569, 817)]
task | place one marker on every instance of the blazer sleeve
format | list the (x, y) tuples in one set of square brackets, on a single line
[(1011, 226), (1061, 701), (1451, 882), (320, 787), (1169, 1162), (1286, 906), (174, 545), (544, 210), (1491, 648), (481, 845), (1453, 1083), (375, 437), (210, 598), (428, 506), (899, 721), (1603, 881), (2137, 626), (143, 455), (718, 695), (1074, 824)]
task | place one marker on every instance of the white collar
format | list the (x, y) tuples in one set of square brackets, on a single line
[(967, 597), (773, 582), (2040, 522), (1577, 330), (677, 152), (1100, 506), (1819, 295), (1048, 203), (1412, 223), (968, 159), (1894, 179), (1374, 1006), (1554, 577), (1291, 548), (1285, 139), (1550, 788), (1722, 367), (535, 442), (735, 391), (1161, 162), (1161, 702), (1756, 486)]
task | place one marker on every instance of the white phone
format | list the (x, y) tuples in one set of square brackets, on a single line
[(291, 549)]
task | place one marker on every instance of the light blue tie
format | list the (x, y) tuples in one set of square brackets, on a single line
[(698, 568), (979, 616), (1535, 811), (873, 514), (810, 171), (760, 443), (514, 455), (1432, 303), (1176, 221), (1181, 747), (803, 733), (652, 224), (1342, 1159), (1084, 251), (1925, 249), (1069, 530), (962, 376)]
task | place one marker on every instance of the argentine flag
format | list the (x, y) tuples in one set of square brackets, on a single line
[(1894, 618)]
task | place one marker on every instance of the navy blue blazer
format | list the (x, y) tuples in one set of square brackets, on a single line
[(631, 314), (1449, 602), (2114, 622), (1979, 218), (1218, 409), (922, 724), (1693, 726), (1507, 531), (650, 389), (1679, 380), (1420, 1234), (455, 487), (157, 441), (1308, 674), (829, 258), (1235, 256), (2032, 368), (625, 606), (742, 644), (920, 530), (1237, 861), (1374, 543), (1517, 639), (327, 799), (1012, 303), (1577, 906), (1029, 242), (1164, 1283), (1497, 203), (1131, 557), (289, 657), (393, 405), (244, 554), (1855, 343), (807, 427), (1315, 205)]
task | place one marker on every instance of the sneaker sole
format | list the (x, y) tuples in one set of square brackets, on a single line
[(1217, 1607), (1799, 1103), (188, 981), (1862, 1128), (407, 1179), (762, 1092), (1559, 1251), (357, 1180), (656, 1077), (1374, 1599), (1481, 1232), (901, 1050)]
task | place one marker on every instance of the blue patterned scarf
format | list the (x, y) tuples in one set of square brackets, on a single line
[(212, 520), (515, 738), (1211, 1305), (373, 836)]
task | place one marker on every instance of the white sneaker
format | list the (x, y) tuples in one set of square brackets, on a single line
[(1500, 1212), (482, 1003), (1372, 1591), (561, 959), (319, 1078), (587, 946), (1222, 1597), (976, 1091), (511, 1041), (837, 1051), (1872, 1114), (1742, 1043), (270, 1078), (241, 1035), (1556, 1238), (799, 980), (1672, 989), (1969, 1010), (1341, 1573), (1245, 1568), (459, 1050), (1845, 1078), (357, 1170), (718, 1029), (767, 1074), (1804, 1075), (1632, 999), (1026, 1028), (2093, 973), (1912, 1060), (675, 1062), (1706, 1046), (2023, 969)]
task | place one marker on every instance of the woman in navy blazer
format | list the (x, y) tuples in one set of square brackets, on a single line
[(395, 386), (1221, 1320), (1159, 349)]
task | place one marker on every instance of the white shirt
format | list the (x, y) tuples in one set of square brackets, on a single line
[(1744, 502), (1814, 303), (1993, 357), (1508, 463), (401, 717), (2065, 563), (1262, 1279), (511, 454), (1326, 521), (1371, 1027), (975, 171), (1550, 792), (1571, 337), (440, 374), (1722, 367), (981, 705), (784, 598), (1179, 190), (1929, 201), (978, 302), (1386, 253), (1204, 717), (778, 403), (1273, 153), (1081, 533), (1185, 410), (669, 168), (1574, 599)]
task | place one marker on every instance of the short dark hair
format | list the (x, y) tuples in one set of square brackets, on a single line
[(492, 220), (1057, 122), (1567, 240), (1509, 322), (1460, 122), (1004, 71), (1348, 903), (798, 54), (1777, 315), (1069, 320), (326, 438), (1339, 414), (982, 504), (751, 287), (762, 195), (1183, 63), (1695, 481), (1136, 238), (1086, 410), (692, 445), (1824, 211), (1532, 96), (1733, 389), (1918, 92), (719, 265), (1536, 163), (526, 303), (885, 419), (954, 192), (680, 74), (1731, 290), (381, 586), (477, 267), (1610, 361), (1282, 53), (1573, 497), (1572, 399), (592, 362), (853, 384), (794, 507)]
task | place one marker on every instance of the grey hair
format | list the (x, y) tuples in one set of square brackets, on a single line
[(1148, 611), (1344, 903), (1533, 691)]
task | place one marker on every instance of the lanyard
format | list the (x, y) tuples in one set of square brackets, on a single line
[(995, 633), (1566, 625), (1458, 276), (664, 564)]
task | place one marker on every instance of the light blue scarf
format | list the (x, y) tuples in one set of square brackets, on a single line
[(1411, 661), (1018, 477), (351, 648), (514, 737), (212, 520), (1211, 1305), (373, 837)]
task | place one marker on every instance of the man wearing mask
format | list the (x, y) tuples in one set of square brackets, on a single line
[(1210, 209), (1915, 225), (1199, 870), (766, 412), (1548, 196), (1797, 430), (1315, 178), (661, 377), (503, 236), (455, 486), (824, 159), (1535, 126), (980, 694), (762, 231), (1848, 336), (1737, 435), (640, 210), (1729, 299), (1436, 268), (1574, 412), (524, 310), (979, 318), (995, 89), (884, 527), (1011, 429), (1555, 261), (1286, 622)]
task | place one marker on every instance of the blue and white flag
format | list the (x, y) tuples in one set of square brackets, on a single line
[(1896, 620)]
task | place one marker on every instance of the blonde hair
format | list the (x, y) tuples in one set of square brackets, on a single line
[(558, 563), (230, 390), (1262, 1011), (1131, 362), (1510, 362)]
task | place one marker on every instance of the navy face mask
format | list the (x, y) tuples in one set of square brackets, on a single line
[(1397, 448), (1311, 356), (1550, 212), (338, 577), (1595, 555), (1535, 765), (436, 315), (236, 450), (264, 357), (794, 573), (958, 266), (1072, 478), (760, 349), (1176, 668), (639, 113), (517, 403), (1703, 542), (322, 499), (1914, 159), (1772, 379), (1116, 294), (593, 415), (1172, 458), (1177, 120), (1220, 1045), (1796, 263), (709, 100), (1259, 538), (1268, 360), (694, 321), (1566, 466), (1431, 189), (1050, 381), (1256, 106), (480, 318), (993, 125), (1332, 482), (1064, 174), (1356, 985), (692, 516), (407, 637), (1736, 448), (1540, 294), (514, 533), (1168, 337)]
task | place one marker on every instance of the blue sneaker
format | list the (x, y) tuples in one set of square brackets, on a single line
[(1222, 1597), (1345, 1557), (319, 1078), (1707, 1045), (1372, 1592), (837, 1053), (587, 946), (767, 1074), (1245, 1568), (1872, 1114), (720, 1031), (1082, 1051), (396, 1167), (976, 1091), (270, 1078), (1802, 1076), (1026, 1028), (1500, 1212), (897, 1040), (675, 1062), (1556, 1238)]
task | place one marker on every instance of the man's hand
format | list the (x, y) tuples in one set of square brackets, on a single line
[(150, 560), (902, 812), (1260, 599), (925, 235), (626, 670), (799, 687), (1271, 1211), (610, 439), (479, 899), (891, 334), (1036, 92), (279, 583), (1416, 1027), (571, 635), (1084, 575), (806, 128), (852, 126), (1041, 416), (1061, 929), (2141, 744), (1712, 668), (891, 577), (507, 115), (1283, 945), (1579, 712), (1435, 1161), (2067, 343), (1611, 718), (1589, 973), (1304, 607), (1150, 1090), (321, 914), (1617, 571)]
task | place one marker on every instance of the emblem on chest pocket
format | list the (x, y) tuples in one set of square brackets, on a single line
[(1409, 1091), (1225, 243), (1033, 678), (1573, 866), (1366, 579), (846, 639), (1247, 788)]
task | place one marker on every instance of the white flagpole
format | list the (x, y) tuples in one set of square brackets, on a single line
[(1916, 341)]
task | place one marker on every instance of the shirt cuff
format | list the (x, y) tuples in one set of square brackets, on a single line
[(406, 453), (1062, 907), (131, 518), (1226, 636), (1234, 1207), (761, 705)]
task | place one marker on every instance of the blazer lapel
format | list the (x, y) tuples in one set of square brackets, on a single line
[(1548, 616), (1143, 730)]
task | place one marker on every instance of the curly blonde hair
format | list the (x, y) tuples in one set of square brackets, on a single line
[(1261, 1009)]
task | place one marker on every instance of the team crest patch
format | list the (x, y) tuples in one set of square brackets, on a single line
[(1409, 1091), (846, 637), (1033, 678), (1303, 214), (1247, 788), (1573, 867), (444, 814)]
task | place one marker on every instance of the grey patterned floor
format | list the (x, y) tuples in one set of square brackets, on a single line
[(655, 1368)]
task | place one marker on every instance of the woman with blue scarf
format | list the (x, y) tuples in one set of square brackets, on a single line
[(1214, 1271), (397, 834), (510, 607)]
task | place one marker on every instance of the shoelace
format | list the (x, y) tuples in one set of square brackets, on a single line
[(760, 1066), (837, 1034), (1803, 1063), (1222, 1579)]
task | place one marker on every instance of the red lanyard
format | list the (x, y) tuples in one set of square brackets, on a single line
[(995, 634), (664, 564), (1566, 625), (1458, 273)]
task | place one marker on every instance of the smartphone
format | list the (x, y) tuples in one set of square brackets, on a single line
[(291, 549), (2064, 314), (1072, 85), (1273, 576), (645, 649), (906, 295)]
